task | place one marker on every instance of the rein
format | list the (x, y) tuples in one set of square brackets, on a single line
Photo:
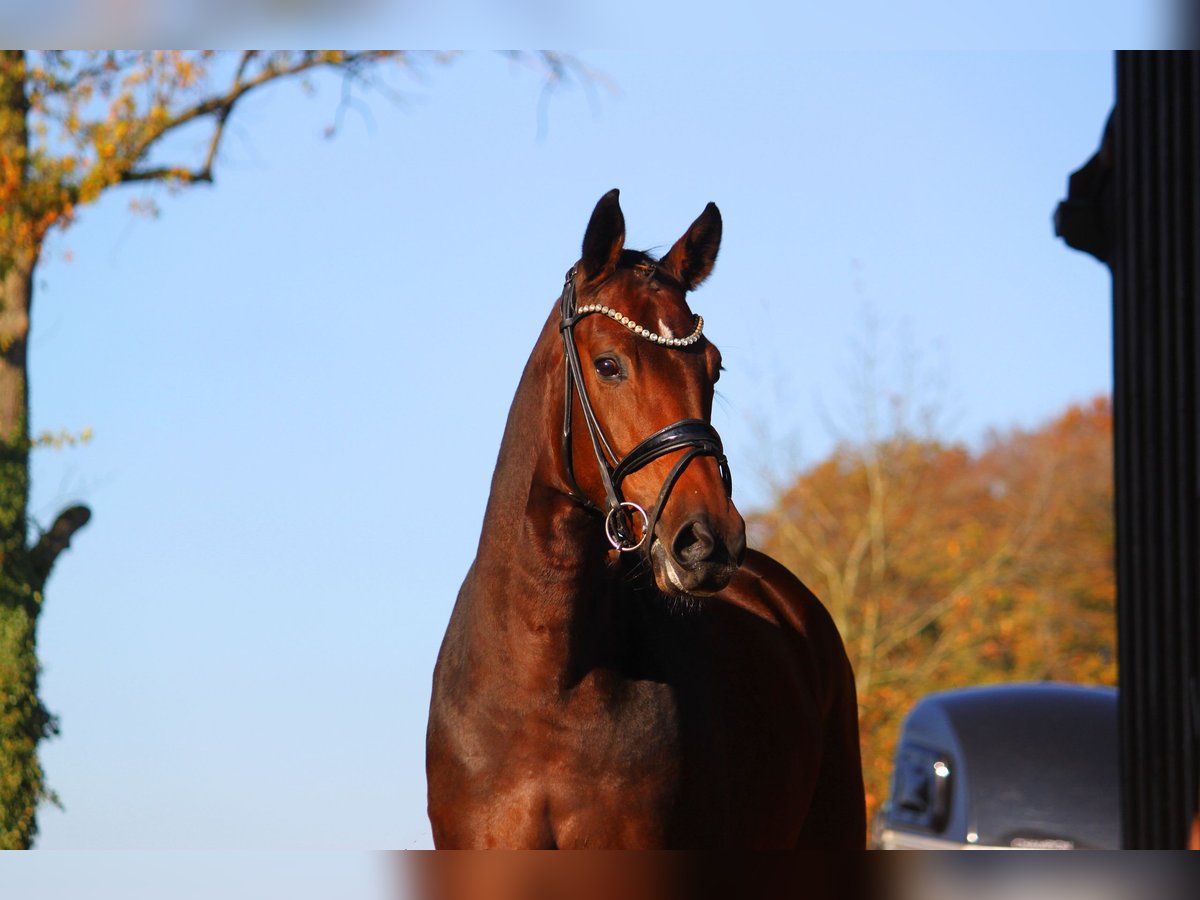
[(696, 436)]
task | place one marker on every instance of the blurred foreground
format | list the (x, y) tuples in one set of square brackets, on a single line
[(812, 876), (634, 876), (334, 875)]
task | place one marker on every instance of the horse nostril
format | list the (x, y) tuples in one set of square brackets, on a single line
[(694, 543)]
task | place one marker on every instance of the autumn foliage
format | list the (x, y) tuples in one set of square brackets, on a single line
[(945, 567)]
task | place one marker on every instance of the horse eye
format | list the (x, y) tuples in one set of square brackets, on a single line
[(608, 368)]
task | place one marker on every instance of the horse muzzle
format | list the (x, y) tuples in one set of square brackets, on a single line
[(697, 561)]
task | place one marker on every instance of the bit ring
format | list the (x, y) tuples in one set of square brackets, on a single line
[(614, 539)]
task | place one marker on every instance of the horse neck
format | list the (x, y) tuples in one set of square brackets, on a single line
[(540, 573)]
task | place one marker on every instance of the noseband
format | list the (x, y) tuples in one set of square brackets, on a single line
[(694, 435)]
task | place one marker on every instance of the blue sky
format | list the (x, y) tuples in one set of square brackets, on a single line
[(297, 379), (759, 25), (751, 25)]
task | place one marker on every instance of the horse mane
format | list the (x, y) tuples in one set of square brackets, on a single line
[(641, 259)]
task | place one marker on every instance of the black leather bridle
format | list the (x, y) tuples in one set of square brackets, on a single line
[(696, 436)]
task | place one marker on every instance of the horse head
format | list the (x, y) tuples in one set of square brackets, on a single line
[(637, 438)]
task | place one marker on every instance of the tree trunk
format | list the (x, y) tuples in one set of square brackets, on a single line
[(24, 721)]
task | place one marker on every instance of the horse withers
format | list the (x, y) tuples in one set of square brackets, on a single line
[(619, 669)]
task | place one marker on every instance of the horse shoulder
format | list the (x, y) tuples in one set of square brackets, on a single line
[(770, 590), (837, 815)]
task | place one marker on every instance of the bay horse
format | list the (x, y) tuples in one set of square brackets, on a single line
[(619, 670)]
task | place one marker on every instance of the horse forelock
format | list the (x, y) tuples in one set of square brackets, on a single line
[(640, 288)]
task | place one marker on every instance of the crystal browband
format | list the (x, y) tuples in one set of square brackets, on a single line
[(641, 330)]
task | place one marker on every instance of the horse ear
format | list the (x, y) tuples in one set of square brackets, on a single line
[(691, 259), (604, 238)]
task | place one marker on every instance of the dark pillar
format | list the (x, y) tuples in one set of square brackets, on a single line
[(1134, 205)]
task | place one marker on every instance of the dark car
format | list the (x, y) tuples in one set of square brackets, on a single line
[(1014, 766)]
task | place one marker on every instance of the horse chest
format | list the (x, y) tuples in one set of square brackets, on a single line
[(689, 764), (712, 740)]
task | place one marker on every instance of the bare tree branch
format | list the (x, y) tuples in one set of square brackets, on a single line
[(247, 58), (56, 540), (166, 173), (222, 105)]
